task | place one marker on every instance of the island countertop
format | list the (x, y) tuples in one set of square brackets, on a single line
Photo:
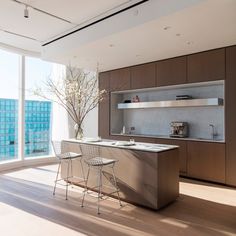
[(139, 146)]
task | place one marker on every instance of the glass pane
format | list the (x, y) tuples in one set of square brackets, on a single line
[(37, 110), (9, 74)]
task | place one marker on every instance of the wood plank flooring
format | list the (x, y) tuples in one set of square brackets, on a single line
[(28, 208)]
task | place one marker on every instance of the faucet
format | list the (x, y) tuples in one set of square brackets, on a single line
[(213, 132)]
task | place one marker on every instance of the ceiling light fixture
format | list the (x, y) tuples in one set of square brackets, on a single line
[(166, 28), (26, 12)]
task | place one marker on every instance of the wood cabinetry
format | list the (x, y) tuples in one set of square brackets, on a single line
[(206, 66), (143, 76), (230, 115), (206, 161), (104, 106), (172, 71), (182, 152), (120, 79)]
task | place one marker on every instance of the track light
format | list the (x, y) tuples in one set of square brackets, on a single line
[(26, 12)]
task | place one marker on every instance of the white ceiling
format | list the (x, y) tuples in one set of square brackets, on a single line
[(43, 27), (202, 25)]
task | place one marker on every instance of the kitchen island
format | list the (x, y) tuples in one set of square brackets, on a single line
[(147, 174)]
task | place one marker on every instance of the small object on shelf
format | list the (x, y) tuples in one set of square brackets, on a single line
[(123, 130), (136, 99), (132, 130), (183, 97), (127, 101)]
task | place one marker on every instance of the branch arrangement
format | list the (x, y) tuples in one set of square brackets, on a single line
[(77, 92)]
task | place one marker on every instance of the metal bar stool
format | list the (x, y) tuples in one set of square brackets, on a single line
[(91, 156), (66, 157)]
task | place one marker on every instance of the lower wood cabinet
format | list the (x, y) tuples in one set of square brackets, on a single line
[(206, 161)]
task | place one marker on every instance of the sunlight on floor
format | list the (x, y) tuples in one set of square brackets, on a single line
[(222, 194), (14, 221)]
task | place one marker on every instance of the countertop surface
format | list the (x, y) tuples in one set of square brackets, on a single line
[(175, 138), (138, 146)]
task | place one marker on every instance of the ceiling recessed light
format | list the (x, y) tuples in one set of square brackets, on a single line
[(166, 27), (190, 42)]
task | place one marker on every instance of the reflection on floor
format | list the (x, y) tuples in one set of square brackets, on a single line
[(27, 208)]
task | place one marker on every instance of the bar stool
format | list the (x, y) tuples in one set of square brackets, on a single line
[(91, 156), (67, 158)]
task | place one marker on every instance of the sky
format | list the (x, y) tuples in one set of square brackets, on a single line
[(37, 71)]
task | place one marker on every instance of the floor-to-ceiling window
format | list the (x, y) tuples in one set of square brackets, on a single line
[(9, 87), (34, 138), (38, 111)]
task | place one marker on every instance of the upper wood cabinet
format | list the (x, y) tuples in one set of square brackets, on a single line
[(143, 76), (120, 79), (104, 106), (206, 161), (230, 115), (171, 71), (206, 66)]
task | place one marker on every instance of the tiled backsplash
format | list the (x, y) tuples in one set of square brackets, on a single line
[(156, 121)]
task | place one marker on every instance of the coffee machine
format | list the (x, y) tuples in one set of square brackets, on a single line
[(179, 129)]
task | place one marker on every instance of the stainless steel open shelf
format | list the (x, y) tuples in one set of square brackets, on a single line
[(173, 103)]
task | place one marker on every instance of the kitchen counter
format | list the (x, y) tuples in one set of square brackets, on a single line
[(168, 137), (147, 147), (147, 174)]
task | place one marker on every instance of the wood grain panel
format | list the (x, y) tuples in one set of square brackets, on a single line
[(182, 152), (206, 161), (120, 79), (206, 66), (104, 106), (171, 71), (143, 76), (230, 115), (145, 178)]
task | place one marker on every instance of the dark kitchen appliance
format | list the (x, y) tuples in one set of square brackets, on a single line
[(179, 129)]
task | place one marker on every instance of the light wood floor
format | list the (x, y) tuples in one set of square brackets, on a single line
[(27, 208)]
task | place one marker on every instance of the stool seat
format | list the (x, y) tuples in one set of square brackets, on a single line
[(69, 155), (99, 161)]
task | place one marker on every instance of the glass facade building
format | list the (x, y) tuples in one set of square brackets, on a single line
[(37, 128)]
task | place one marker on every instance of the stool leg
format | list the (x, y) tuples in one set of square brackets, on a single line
[(82, 168), (86, 186), (55, 185), (99, 187), (67, 178), (114, 177)]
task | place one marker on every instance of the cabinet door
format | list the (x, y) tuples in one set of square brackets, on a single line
[(120, 79), (206, 161), (206, 66), (230, 115), (182, 152), (104, 106), (143, 76), (172, 71)]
